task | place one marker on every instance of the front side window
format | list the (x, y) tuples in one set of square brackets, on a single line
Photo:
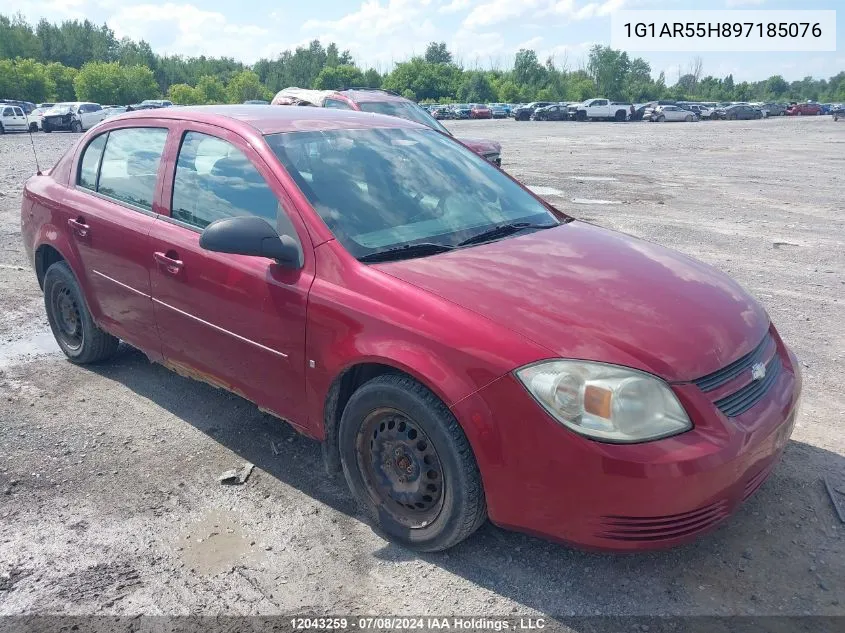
[(89, 166), (129, 168), (378, 189), (215, 180), (405, 110), (18, 112), (8, 112)]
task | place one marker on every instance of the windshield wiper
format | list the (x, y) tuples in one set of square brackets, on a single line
[(405, 252), (503, 230)]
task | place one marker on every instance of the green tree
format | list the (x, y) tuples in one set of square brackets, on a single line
[(372, 78), (423, 79), (476, 88), (62, 78), (527, 70), (507, 92), (245, 86), (437, 53), (136, 84), (17, 39), (210, 89), (99, 82), (183, 94), (25, 79), (338, 78), (608, 69)]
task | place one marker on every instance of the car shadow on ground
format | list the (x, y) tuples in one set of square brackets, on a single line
[(789, 528)]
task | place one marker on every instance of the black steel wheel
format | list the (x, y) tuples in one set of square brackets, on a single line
[(77, 334), (409, 464), (402, 469)]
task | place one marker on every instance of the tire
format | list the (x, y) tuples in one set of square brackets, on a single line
[(401, 447), (45, 127), (661, 119), (76, 127), (2, 129), (689, 118), (74, 328), (33, 127), (619, 116), (580, 115)]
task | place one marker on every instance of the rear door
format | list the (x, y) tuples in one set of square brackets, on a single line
[(110, 214), (231, 320)]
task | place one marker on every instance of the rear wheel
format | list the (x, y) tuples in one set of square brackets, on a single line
[(661, 119), (689, 118), (2, 129), (620, 115), (409, 464), (74, 328)]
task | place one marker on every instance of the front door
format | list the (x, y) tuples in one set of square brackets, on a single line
[(110, 215), (230, 320)]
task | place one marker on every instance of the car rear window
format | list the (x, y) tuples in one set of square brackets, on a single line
[(403, 110), (89, 166), (129, 167)]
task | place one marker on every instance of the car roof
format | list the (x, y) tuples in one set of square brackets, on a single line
[(270, 119)]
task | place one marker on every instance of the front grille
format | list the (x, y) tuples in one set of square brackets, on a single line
[(741, 401), (663, 528), (729, 372)]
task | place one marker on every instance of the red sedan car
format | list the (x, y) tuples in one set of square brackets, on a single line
[(804, 109), (480, 111), (462, 349)]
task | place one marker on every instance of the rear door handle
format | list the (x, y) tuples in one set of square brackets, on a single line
[(79, 227), (170, 264)]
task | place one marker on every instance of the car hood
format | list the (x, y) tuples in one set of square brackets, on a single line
[(480, 146), (589, 293)]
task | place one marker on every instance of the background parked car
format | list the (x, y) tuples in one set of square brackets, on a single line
[(523, 113), (35, 118), (737, 112), (480, 111), (461, 110), (73, 116), (556, 112), (672, 113), (601, 110), (12, 119), (26, 106), (113, 111), (498, 111), (804, 109)]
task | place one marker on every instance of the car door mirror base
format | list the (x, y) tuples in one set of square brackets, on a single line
[(251, 235)]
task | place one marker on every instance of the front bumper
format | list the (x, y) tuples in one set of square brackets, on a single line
[(62, 122), (541, 478)]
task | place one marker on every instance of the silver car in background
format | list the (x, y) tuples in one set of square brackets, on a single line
[(671, 113)]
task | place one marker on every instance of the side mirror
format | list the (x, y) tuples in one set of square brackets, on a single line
[(250, 235)]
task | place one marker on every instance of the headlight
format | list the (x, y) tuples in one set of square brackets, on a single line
[(606, 402)]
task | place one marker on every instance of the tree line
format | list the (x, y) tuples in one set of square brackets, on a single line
[(80, 60)]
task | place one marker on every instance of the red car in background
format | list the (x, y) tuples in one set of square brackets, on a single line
[(480, 111), (804, 109), (461, 348), (383, 102)]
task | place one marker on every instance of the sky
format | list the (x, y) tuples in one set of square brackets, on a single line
[(379, 33)]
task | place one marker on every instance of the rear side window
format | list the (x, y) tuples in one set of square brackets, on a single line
[(129, 167), (336, 104), (89, 166), (8, 112), (215, 180)]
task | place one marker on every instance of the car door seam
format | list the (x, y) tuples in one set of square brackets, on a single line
[(220, 329)]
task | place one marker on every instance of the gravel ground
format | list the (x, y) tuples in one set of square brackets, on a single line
[(109, 499)]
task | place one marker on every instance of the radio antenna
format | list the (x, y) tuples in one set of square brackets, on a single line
[(28, 126)]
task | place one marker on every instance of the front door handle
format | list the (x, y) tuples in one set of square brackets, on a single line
[(171, 264), (79, 227)]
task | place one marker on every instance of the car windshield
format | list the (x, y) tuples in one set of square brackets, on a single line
[(378, 189), (403, 110)]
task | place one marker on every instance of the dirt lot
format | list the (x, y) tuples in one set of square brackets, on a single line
[(109, 499)]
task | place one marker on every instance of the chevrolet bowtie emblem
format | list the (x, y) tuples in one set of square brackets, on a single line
[(758, 371)]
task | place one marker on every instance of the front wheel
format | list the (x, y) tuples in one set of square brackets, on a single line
[(76, 126), (409, 464), (72, 324), (689, 118)]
